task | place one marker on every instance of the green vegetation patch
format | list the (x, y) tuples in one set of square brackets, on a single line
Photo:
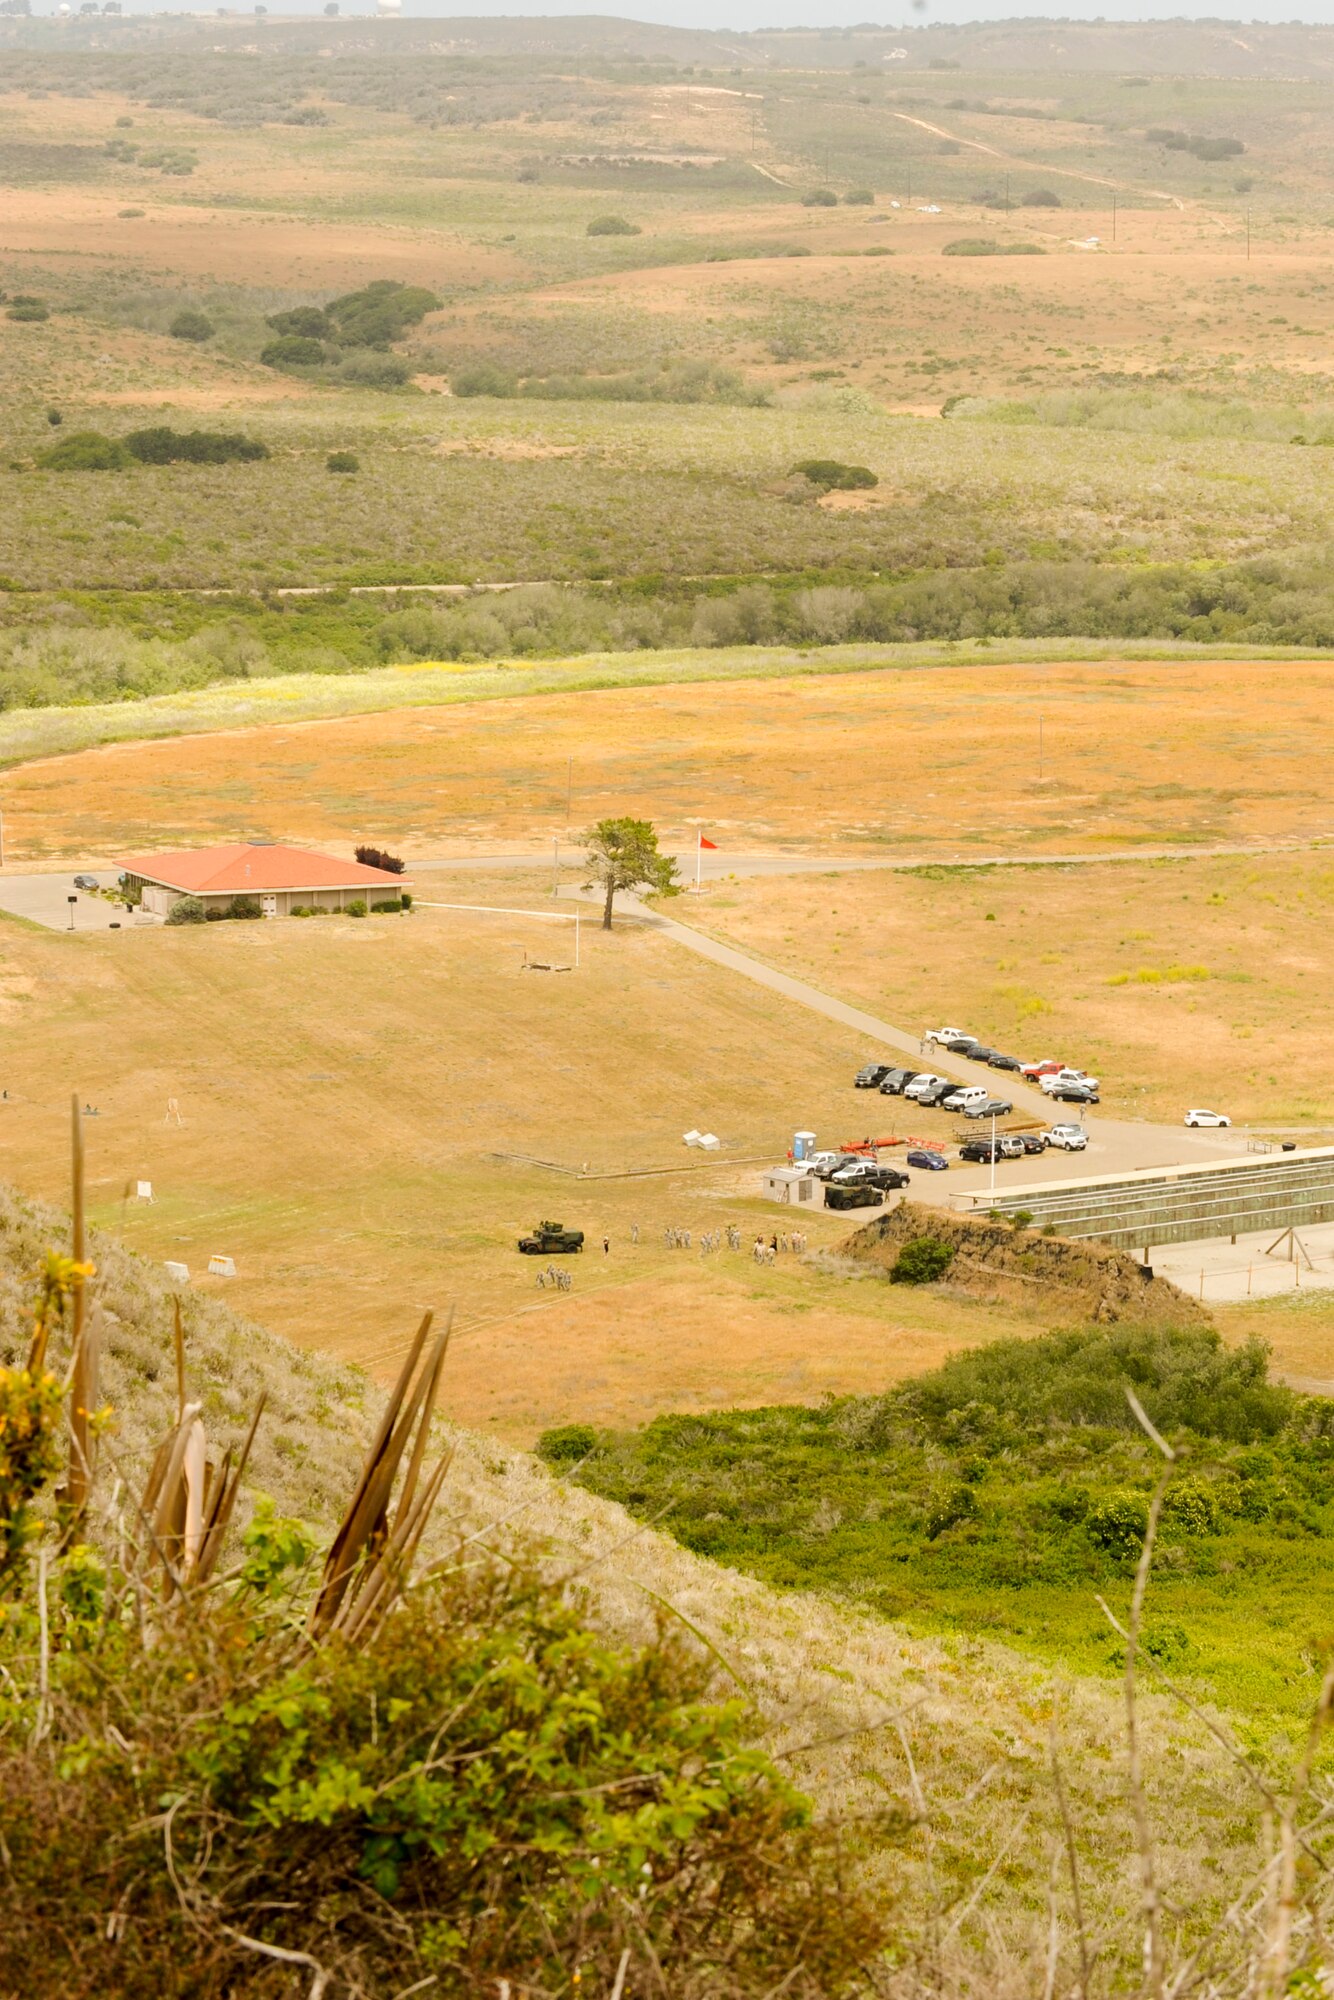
[(987, 246), (1007, 1490)]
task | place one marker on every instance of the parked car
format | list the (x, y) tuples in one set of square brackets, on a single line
[(935, 1095), (1067, 1075), (1005, 1062), (1075, 1093), (1206, 1118), (980, 1152), (871, 1076), (1070, 1138), (85, 882), (835, 1163), (870, 1174), (925, 1080), (963, 1095), (962, 1045), (991, 1107), (1032, 1142), (823, 1163), (893, 1084), (981, 1053), (859, 1195), (931, 1163), (1034, 1071), (943, 1035)]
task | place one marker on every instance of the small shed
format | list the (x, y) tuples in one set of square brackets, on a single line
[(793, 1186)]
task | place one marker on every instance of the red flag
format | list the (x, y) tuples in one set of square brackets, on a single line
[(708, 843)]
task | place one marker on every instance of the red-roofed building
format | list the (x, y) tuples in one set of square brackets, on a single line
[(280, 879)]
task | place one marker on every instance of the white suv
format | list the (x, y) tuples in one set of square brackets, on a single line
[(1069, 1138)]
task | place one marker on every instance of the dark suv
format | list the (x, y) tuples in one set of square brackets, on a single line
[(871, 1076), (897, 1081)]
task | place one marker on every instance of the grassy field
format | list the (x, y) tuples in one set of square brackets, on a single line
[(931, 758), (366, 1106)]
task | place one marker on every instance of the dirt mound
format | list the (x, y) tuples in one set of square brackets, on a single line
[(995, 1261)]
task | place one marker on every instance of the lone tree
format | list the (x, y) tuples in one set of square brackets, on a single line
[(623, 854)]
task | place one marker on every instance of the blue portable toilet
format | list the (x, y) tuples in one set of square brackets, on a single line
[(803, 1145)]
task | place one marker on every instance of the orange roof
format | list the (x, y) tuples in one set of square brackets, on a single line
[(248, 868)]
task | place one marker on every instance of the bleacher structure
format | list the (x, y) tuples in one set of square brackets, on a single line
[(1157, 1205)]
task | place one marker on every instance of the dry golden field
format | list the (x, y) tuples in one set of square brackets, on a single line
[(347, 1088), (936, 761)]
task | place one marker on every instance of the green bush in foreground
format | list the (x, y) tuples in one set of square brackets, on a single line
[(342, 461), (188, 910), (922, 1261), (612, 225)]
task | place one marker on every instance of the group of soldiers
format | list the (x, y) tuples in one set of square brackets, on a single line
[(768, 1253), (561, 1281)]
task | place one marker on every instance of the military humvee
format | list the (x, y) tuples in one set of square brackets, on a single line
[(551, 1239)]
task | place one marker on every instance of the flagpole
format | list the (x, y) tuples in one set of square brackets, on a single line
[(699, 855)]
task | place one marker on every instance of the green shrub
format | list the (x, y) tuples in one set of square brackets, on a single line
[(1119, 1524), (387, 909), (161, 445), (366, 368), (860, 198), (379, 313), (293, 351), (483, 378), (831, 475), (356, 908), (342, 461), (986, 246), (303, 322), (191, 325), (922, 1261), (86, 451), (24, 307), (612, 225), (567, 1443), (1041, 198), (244, 908), (299, 910), (406, 899), (55, 418), (820, 198), (188, 910)]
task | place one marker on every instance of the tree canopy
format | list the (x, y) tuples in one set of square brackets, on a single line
[(623, 854)]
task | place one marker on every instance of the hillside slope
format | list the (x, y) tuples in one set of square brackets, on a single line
[(955, 1736)]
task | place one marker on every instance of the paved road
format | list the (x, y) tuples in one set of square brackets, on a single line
[(44, 899)]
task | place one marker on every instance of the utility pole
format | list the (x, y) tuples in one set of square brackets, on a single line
[(1040, 749), (993, 1152), (569, 786), (1007, 194), (555, 864)]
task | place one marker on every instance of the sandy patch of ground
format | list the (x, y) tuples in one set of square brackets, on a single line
[(506, 448)]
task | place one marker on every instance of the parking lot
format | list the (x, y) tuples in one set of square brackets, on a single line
[(45, 900)]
